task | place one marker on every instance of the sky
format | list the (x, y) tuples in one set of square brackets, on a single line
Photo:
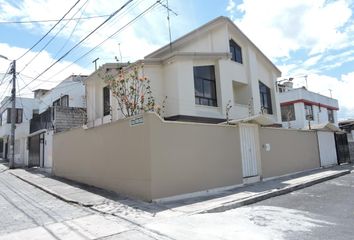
[(303, 38)]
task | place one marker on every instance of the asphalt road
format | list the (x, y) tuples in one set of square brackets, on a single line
[(330, 204), (323, 211)]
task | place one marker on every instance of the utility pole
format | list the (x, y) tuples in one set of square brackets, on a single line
[(13, 116)]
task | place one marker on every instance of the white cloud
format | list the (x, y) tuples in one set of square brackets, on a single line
[(280, 27), (136, 40), (46, 81)]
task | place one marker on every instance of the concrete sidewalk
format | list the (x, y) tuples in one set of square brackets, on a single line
[(115, 204)]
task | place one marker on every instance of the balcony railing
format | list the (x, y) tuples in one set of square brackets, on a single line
[(41, 121)]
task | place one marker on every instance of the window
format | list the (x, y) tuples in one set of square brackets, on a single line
[(330, 115), (266, 99), (19, 113), (236, 51), (62, 101), (204, 85), (309, 112), (106, 101), (287, 113)]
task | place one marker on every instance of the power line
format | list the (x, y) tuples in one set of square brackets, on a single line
[(82, 40), (53, 20), (72, 31), (109, 37), (3, 78), (53, 37), (23, 107), (7, 87), (49, 30)]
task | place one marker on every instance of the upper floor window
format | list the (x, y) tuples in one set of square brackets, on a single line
[(106, 101), (266, 98), (309, 112), (330, 115), (62, 101), (19, 113), (236, 51), (204, 85), (287, 113)]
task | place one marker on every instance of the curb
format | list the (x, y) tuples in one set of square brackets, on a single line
[(53, 193), (271, 193)]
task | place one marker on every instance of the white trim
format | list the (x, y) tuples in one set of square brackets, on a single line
[(37, 132), (203, 193)]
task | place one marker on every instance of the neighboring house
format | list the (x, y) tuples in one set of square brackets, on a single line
[(59, 109), (199, 74), (348, 127), (24, 111), (301, 108)]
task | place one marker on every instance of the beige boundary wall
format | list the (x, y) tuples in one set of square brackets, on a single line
[(154, 160), (290, 151), (158, 159)]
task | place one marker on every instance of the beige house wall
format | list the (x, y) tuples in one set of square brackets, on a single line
[(187, 157), (290, 151), (112, 156), (150, 161), (159, 159)]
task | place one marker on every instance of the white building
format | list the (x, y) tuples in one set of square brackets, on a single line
[(301, 108), (199, 74), (59, 109), (24, 112)]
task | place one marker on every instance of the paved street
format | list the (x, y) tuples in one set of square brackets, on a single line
[(323, 211), (29, 213)]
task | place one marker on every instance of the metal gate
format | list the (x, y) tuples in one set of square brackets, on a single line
[(250, 151), (34, 151), (327, 148), (342, 147)]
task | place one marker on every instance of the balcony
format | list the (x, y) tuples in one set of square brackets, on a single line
[(41, 121)]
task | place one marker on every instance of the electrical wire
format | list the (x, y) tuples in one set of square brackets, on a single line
[(109, 37), (48, 31), (7, 87), (52, 38), (82, 40), (23, 107), (72, 32), (53, 20), (3, 78)]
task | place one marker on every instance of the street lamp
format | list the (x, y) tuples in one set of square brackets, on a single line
[(13, 113)]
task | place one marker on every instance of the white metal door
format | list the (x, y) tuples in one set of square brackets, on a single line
[(249, 149), (327, 148)]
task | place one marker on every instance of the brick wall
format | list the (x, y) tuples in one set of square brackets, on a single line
[(68, 117)]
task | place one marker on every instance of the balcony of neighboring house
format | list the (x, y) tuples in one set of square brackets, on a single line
[(41, 121), (58, 118)]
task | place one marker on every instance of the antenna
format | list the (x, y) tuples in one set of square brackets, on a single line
[(168, 19), (330, 92), (95, 61)]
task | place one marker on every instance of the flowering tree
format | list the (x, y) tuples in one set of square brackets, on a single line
[(133, 91)]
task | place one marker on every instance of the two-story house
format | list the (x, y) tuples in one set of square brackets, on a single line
[(59, 109), (199, 73), (301, 108), (24, 112)]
